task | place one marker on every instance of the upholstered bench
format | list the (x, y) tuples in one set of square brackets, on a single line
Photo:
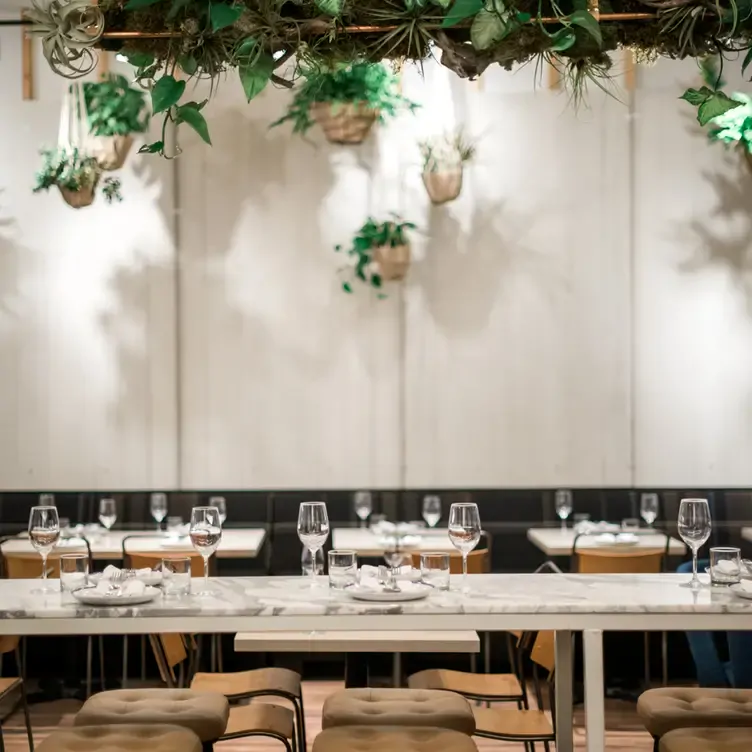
[(707, 740), (398, 707), (381, 738), (668, 708), (122, 738), (204, 713)]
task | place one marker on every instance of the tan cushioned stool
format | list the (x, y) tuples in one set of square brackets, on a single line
[(380, 739), (125, 738), (707, 740), (398, 707), (204, 713), (665, 709)]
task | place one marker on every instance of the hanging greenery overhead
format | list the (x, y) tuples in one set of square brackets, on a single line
[(204, 38)]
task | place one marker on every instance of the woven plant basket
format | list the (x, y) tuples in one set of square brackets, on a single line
[(392, 261), (110, 151), (443, 185), (344, 123), (79, 199)]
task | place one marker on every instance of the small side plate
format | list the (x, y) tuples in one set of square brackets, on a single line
[(92, 597), (414, 593)]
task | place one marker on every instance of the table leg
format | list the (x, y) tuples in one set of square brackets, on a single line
[(564, 710), (595, 714)]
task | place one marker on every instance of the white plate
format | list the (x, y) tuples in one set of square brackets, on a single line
[(379, 596), (91, 597), (740, 591)]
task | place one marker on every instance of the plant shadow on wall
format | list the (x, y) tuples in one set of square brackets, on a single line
[(10, 253)]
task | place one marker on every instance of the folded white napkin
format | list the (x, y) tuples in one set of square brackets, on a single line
[(726, 567), (111, 571), (129, 587), (405, 572)]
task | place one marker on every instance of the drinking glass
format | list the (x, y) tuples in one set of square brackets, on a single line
[(630, 524), (44, 533), (464, 533), (313, 529), (219, 502), (563, 502), (393, 556), (312, 564), (363, 503), (107, 513), (176, 576), (158, 508), (74, 571), (174, 525), (343, 569), (725, 565), (434, 570), (206, 533), (694, 526), (649, 508), (431, 510)]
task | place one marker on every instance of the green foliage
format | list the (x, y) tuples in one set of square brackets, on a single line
[(75, 171), (370, 83), (114, 108), (710, 103), (446, 151), (734, 126), (367, 239), (111, 190)]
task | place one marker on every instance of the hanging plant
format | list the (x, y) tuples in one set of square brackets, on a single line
[(346, 101), (444, 158), (380, 251), (115, 112), (76, 175)]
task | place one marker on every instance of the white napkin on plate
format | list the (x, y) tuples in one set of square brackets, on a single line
[(111, 571), (372, 584), (129, 587), (405, 572)]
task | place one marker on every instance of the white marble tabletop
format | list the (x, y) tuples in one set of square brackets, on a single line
[(554, 541), (237, 543), (366, 543)]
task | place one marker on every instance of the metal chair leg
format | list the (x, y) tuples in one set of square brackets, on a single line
[(300, 712), (89, 649), (664, 657), (143, 657), (101, 663), (125, 661), (646, 658), (24, 701)]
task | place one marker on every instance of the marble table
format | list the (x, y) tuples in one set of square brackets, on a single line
[(554, 541), (237, 543), (366, 543), (560, 602)]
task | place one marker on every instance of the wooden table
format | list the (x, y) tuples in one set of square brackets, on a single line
[(366, 543), (554, 541)]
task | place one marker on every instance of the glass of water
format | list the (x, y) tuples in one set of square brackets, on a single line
[(343, 569), (434, 570), (176, 577), (649, 508), (431, 510), (313, 528), (74, 572), (694, 528), (725, 565), (107, 513), (563, 502), (464, 533), (363, 505), (158, 508), (221, 504)]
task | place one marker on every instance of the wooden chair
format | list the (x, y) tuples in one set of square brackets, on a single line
[(10, 685)]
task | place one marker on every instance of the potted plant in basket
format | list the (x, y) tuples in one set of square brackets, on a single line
[(381, 252), (346, 101), (76, 175), (115, 111), (443, 159)]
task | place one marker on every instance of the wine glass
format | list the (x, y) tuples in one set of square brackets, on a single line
[(464, 533), (363, 503), (206, 533), (431, 510), (158, 508), (107, 513), (694, 526), (649, 508), (219, 502), (563, 501), (313, 529), (44, 533)]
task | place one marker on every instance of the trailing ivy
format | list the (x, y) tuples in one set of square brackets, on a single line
[(114, 108)]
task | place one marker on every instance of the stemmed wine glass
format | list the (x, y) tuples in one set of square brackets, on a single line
[(694, 526), (464, 533), (563, 501), (206, 533), (158, 508), (431, 510), (219, 502), (649, 508), (313, 529), (44, 533), (363, 503), (107, 513)]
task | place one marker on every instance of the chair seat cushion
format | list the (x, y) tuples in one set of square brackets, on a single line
[(512, 723), (707, 740), (259, 717), (383, 738), (398, 707), (204, 713), (256, 681), (122, 738), (668, 708), (474, 685)]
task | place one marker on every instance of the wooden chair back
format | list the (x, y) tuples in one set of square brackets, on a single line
[(543, 652), (9, 643), (142, 560), (603, 561), (478, 561), (169, 651), (23, 566)]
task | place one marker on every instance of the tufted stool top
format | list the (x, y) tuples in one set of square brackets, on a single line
[(204, 713), (398, 707), (380, 738), (122, 738), (668, 708), (707, 740)]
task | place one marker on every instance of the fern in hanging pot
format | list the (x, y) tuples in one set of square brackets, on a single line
[(380, 251), (76, 176), (443, 160), (115, 111), (345, 102)]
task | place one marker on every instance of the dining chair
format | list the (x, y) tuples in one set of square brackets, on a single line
[(12, 684)]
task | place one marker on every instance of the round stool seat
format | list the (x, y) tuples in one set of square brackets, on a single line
[(380, 738), (707, 740), (122, 738)]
